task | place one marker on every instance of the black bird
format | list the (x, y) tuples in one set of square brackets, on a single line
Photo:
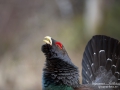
[(100, 66)]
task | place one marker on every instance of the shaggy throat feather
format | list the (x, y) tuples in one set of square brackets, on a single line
[(58, 72)]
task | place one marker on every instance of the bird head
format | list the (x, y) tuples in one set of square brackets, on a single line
[(54, 49)]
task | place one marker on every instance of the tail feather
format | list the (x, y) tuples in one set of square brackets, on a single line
[(108, 64), (102, 58), (101, 53), (86, 73)]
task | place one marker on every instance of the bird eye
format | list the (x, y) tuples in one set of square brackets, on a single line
[(59, 45)]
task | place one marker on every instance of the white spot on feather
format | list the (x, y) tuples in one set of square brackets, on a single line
[(90, 75), (117, 72), (87, 81), (114, 65), (109, 59), (92, 64), (101, 51)]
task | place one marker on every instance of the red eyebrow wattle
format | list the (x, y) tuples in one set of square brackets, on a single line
[(59, 44)]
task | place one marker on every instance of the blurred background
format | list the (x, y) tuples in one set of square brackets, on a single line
[(25, 23)]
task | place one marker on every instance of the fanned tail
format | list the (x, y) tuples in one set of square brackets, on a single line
[(101, 60)]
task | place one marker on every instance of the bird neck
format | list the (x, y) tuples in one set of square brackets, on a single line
[(60, 74)]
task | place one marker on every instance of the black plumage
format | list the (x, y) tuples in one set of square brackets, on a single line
[(59, 69), (100, 64)]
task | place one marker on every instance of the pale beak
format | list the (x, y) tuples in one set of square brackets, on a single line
[(48, 40)]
